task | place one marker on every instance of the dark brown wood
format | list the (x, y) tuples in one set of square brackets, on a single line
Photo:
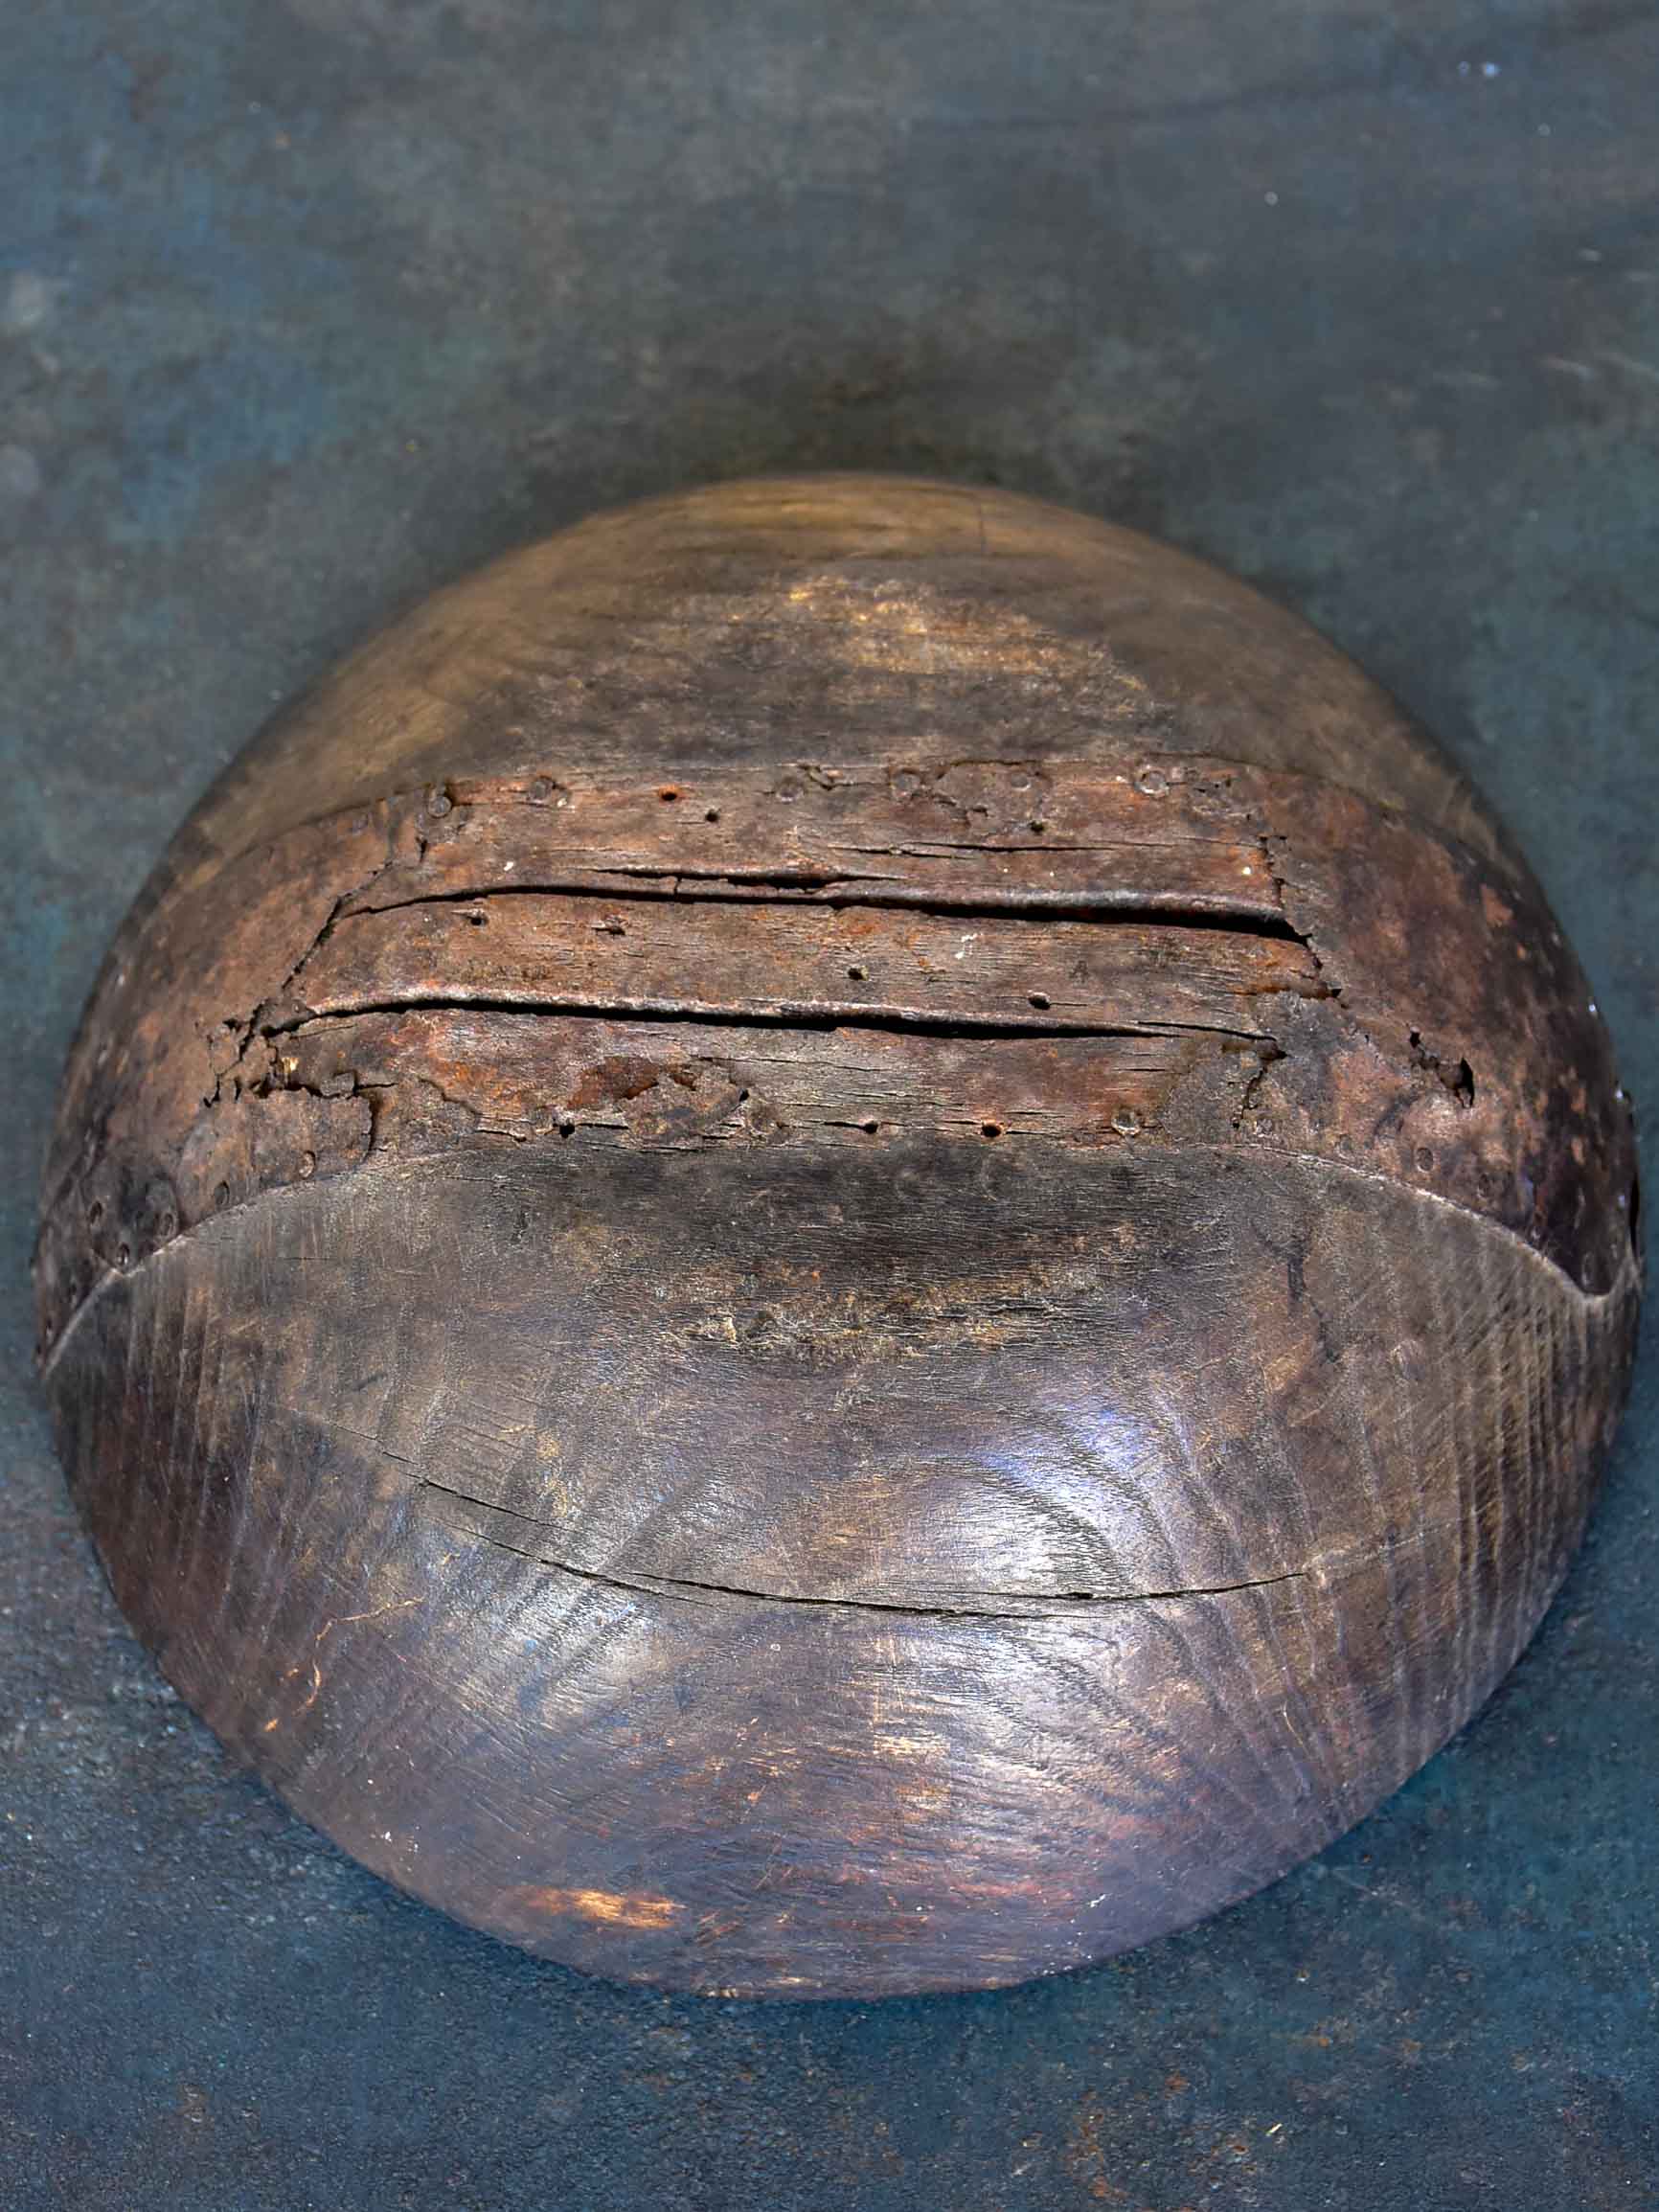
[(844, 1237)]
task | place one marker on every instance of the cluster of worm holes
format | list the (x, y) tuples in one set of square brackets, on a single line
[(1151, 781), (165, 1226), (1125, 1122)]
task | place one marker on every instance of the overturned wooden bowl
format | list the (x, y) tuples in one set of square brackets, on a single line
[(842, 1237)]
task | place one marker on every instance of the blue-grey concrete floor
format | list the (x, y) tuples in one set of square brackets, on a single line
[(306, 305)]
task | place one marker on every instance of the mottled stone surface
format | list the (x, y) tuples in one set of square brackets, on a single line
[(305, 308)]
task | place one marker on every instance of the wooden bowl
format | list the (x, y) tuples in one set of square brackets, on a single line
[(841, 1237)]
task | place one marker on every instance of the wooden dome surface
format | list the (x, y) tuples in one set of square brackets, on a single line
[(841, 1237)]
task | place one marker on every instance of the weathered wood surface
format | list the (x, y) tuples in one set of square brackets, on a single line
[(840, 1238)]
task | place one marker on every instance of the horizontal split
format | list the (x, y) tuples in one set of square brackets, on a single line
[(975, 972)]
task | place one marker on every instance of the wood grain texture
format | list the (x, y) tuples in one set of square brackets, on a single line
[(842, 1237)]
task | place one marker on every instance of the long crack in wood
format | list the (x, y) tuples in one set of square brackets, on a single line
[(799, 1018), (986, 1606)]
